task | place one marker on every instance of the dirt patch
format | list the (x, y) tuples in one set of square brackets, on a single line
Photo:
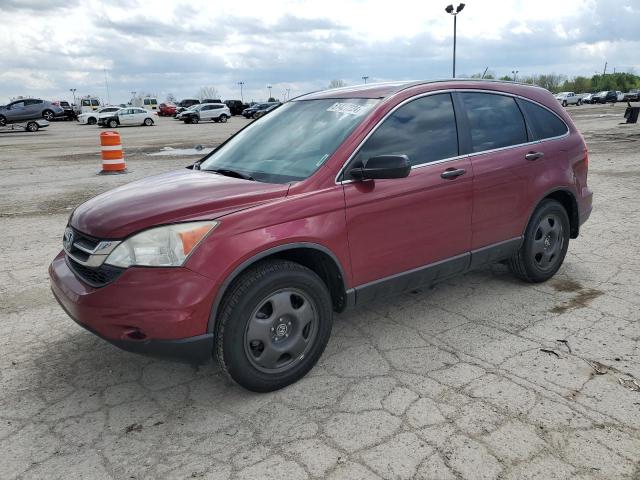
[(66, 202), (582, 299), (566, 286)]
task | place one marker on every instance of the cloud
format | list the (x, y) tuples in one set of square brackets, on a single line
[(166, 47)]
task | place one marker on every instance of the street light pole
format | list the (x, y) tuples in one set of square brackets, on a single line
[(455, 13), (73, 90), (365, 78), (515, 72), (269, 87), (241, 97)]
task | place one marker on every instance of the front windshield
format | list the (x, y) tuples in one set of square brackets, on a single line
[(292, 141)]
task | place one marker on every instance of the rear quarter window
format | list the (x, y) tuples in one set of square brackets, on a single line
[(542, 123), (495, 121)]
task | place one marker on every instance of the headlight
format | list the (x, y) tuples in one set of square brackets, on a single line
[(167, 246)]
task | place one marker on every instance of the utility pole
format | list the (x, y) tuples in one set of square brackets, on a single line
[(241, 97), (449, 10), (269, 87), (604, 72), (365, 78), (106, 84), (515, 72)]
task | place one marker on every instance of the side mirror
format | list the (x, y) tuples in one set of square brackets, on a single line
[(383, 166)]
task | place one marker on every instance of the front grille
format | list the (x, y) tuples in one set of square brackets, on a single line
[(95, 277)]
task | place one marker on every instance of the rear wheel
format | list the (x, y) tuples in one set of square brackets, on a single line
[(273, 326), (48, 115), (3, 120), (564, 103), (148, 122), (32, 127), (545, 243), (223, 118)]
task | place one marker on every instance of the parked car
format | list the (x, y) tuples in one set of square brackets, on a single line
[(186, 103), (569, 98), (249, 111), (632, 95), (29, 109), (262, 112), (67, 110), (217, 112), (167, 110), (127, 116), (588, 98), (619, 95), (185, 111), (235, 106), (376, 190), (91, 118), (605, 96)]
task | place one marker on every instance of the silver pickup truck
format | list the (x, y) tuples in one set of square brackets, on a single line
[(569, 98)]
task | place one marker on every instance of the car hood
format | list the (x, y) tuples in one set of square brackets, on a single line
[(176, 196)]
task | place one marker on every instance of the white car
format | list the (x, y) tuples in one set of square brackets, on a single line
[(127, 116), (217, 112), (190, 109), (569, 98), (91, 118)]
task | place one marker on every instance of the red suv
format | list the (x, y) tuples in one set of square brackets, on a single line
[(331, 201), (167, 110)]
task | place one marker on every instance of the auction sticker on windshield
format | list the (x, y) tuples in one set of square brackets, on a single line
[(348, 108)]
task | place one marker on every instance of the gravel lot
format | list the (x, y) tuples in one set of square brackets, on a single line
[(449, 382)]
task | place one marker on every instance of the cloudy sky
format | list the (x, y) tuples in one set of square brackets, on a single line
[(159, 47)]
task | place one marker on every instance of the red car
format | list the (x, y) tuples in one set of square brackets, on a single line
[(167, 110), (329, 202)]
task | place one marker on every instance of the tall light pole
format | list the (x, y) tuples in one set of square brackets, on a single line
[(455, 13), (515, 73), (241, 97), (269, 87), (73, 90), (365, 78)]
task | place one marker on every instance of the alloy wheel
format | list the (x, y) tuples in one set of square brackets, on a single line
[(281, 331)]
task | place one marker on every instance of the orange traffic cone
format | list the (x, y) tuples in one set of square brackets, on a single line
[(112, 155)]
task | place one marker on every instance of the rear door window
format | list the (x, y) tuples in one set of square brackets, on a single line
[(495, 121), (542, 123), (423, 129), (95, 103)]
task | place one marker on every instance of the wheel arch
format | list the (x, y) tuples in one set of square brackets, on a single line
[(568, 200), (317, 258)]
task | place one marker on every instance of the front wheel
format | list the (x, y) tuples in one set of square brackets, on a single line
[(113, 123), (545, 243), (148, 122), (274, 324), (564, 103), (3, 120), (579, 102), (91, 121), (48, 115)]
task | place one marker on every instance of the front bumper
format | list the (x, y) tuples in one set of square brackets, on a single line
[(155, 311)]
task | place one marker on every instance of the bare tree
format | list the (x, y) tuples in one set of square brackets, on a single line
[(208, 92), (336, 83), (171, 98)]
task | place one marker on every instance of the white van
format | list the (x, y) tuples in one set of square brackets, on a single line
[(148, 103), (88, 104)]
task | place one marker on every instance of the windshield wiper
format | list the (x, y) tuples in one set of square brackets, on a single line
[(231, 173)]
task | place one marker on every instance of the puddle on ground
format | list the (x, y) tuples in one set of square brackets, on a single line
[(177, 152)]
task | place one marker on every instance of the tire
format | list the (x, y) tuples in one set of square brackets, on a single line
[(32, 127), (48, 115), (223, 118), (579, 102), (545, 243), (3, 120), (91, 121), (564, 103), (194, 120), (265, 340), (113, 123), (148, 122)]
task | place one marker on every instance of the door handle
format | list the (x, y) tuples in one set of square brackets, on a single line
[(451, 173), (534, 155)]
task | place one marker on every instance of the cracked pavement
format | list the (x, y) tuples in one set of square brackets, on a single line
[(480, 377)]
